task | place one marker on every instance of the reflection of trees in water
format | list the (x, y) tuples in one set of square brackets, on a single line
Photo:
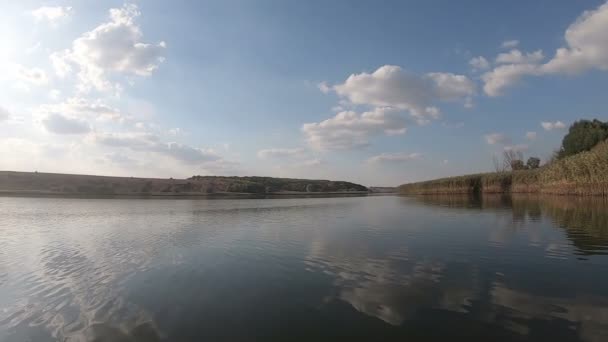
[(584, 219), (414, 292)]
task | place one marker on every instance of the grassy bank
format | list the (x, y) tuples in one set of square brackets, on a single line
[(34, 183), (585, 173)]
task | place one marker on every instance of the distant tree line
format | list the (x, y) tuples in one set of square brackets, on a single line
[(582, 136)]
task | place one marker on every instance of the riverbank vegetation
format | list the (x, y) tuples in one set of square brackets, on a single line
[(580, 167), (65, 184)]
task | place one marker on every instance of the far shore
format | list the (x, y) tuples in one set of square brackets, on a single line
[(30, 184), (159, 195)]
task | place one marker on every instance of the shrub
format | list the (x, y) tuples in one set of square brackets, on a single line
[(582, 136)]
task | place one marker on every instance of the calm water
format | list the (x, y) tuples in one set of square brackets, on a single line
[(375, 268)]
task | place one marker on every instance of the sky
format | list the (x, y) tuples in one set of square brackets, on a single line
[(378, 93)]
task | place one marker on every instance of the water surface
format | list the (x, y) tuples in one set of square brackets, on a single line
[(370, 268)]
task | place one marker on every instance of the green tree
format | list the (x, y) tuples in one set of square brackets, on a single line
[(582, 136), (533, 163)]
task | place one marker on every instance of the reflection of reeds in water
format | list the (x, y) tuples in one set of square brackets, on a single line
[(584, 219)]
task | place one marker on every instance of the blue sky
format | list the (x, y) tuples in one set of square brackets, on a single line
[(376, 93)]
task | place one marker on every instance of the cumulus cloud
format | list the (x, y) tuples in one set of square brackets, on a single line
[(503, 76), (586, 48), (50, 14), (508, 44), (531, 135), (587, 44), (479, 63), (391, 86), (496, 138), (517, 57), (82, 107), (393, 157), (62, 124), (449, 86), (324, 87), (349, 129), (549, 126), (4, 114), (280, 153), (146, 142), (114, 46)]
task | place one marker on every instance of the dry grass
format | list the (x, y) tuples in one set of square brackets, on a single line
[(585, 173)]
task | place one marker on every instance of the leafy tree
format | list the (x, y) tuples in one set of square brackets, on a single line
[(533, 163), (582, 136)]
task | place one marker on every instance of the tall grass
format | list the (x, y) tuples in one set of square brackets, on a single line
[(585, 173)]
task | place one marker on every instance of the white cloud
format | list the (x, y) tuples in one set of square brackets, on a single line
[(393, 157), (350, 130), (496, 138), (548, 126), (505, 76), (531, 135), (33, 76), (479, 63), (4, 114), (280, 153), (452, 87), (50, 14), (82, 107), (146, 142), (391, 86), (508, 44), (587, 44), (324, 87), (517, 57), (54, 94), (114, 46), (187, 154), (586, 48), (62, 124)]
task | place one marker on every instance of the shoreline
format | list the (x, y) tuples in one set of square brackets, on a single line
[(39, 184), (217, 195), (582, 174)]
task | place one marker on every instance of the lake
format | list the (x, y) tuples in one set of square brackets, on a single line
[(431, 268)]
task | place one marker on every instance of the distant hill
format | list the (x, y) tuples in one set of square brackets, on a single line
[(53, 183)]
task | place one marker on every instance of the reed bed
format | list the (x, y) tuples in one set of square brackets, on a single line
[(585, 173)]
